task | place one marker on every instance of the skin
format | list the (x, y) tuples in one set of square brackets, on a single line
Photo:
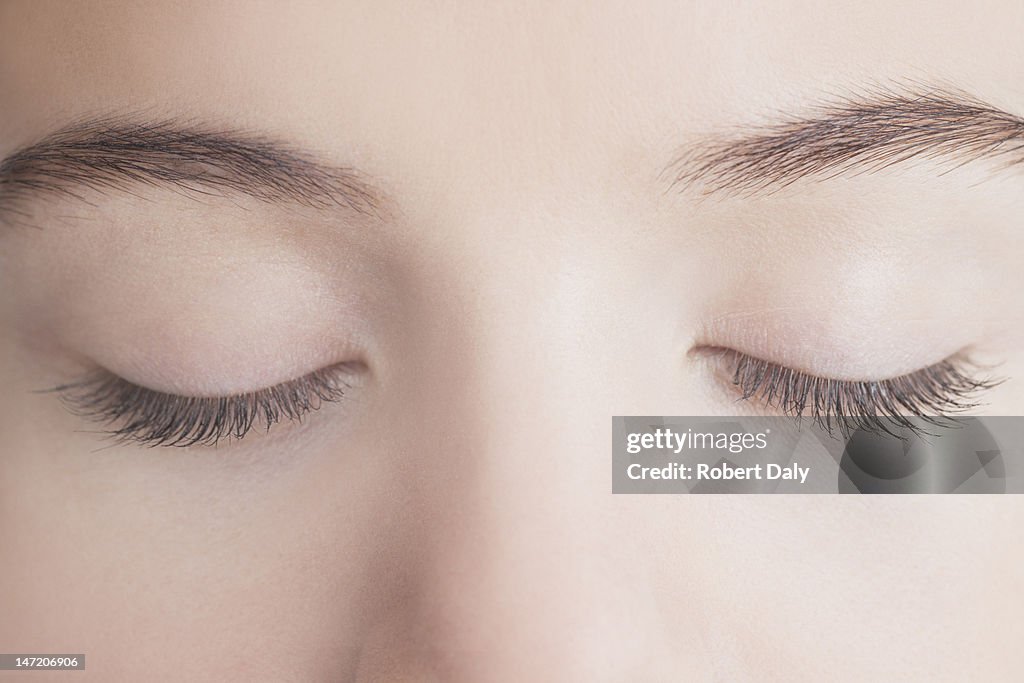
[(528, 277)]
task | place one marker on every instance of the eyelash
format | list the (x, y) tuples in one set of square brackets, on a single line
[(153, 418), (930, 395)]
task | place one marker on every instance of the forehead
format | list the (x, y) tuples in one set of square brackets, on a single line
[(530, 80)]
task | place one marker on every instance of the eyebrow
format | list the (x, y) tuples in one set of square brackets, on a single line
[(114, 154), (863, 133)]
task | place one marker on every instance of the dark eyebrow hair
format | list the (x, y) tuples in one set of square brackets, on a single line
[(866, 132), (113, 153)]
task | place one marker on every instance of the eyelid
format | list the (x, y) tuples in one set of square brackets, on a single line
[(133, 413), (932, 394)]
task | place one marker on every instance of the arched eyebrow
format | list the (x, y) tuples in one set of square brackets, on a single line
[(113, 154), (857, 134)]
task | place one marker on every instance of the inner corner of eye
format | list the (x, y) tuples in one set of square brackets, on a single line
[(717, 361), (712, 352)]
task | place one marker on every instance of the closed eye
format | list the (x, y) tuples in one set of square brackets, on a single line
[(932, 395), (133, 413)]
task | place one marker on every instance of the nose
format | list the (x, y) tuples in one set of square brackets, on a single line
[(528, 568), (525, 578)]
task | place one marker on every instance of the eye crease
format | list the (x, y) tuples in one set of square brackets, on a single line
[(931, 395), (132, 413)]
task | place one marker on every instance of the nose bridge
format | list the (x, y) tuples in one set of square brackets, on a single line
[(521, 570), (509, 567)]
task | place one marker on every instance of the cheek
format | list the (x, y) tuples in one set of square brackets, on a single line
[(235, 544)]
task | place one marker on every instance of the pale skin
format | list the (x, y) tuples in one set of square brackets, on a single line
[(528, 274)]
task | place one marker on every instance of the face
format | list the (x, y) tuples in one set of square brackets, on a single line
[(434, 249)]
